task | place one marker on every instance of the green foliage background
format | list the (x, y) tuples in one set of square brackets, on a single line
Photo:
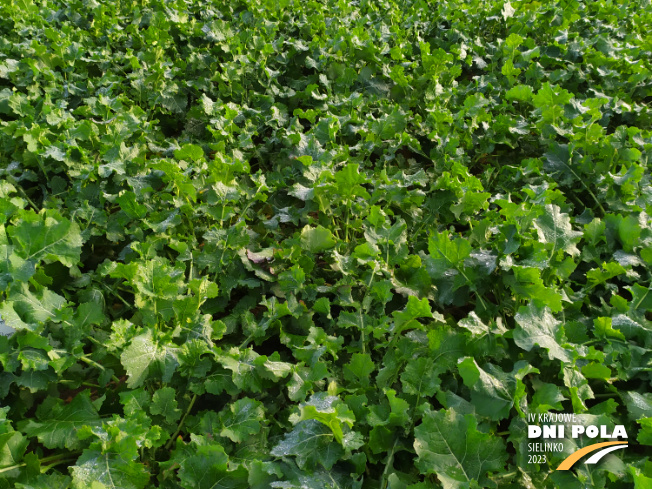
[(340, 244)]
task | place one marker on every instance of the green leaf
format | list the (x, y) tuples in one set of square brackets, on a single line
[(47, 481), (509, 69), (328, 410), (303, 379), (204, 465), (12, 448), (129, 204), (522, 93), (190, 152), (275, 370), (294, 478), (359, 369), (317, 240), (596, 371), (641, 481), (641, 298), (554, 227), (450, 254), (243, 365), (393, 413), (528, 284), (59, 423), (391, 125), (536, 326), (135, 401), (474, 324), (578, 387), (609, 270), (645, 434), (513, 41), (174, 102), (348, 181), (311, 443), (88, 314), (557, 160), (13, 268), (551, 100), (243, 418), (629, 232), (46, 236), (639, 405), (12, 321), (414, 309), (108, 469), (547, 397), (164, 404), (449, 445), (419, 378), (27, 309), (492, 390), (145, 358)]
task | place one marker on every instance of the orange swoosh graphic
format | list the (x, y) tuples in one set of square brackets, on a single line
[(574, 457)]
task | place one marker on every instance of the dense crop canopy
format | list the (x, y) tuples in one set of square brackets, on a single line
[(339, 244)]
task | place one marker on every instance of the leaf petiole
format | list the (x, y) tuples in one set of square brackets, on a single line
[(183, 419)]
